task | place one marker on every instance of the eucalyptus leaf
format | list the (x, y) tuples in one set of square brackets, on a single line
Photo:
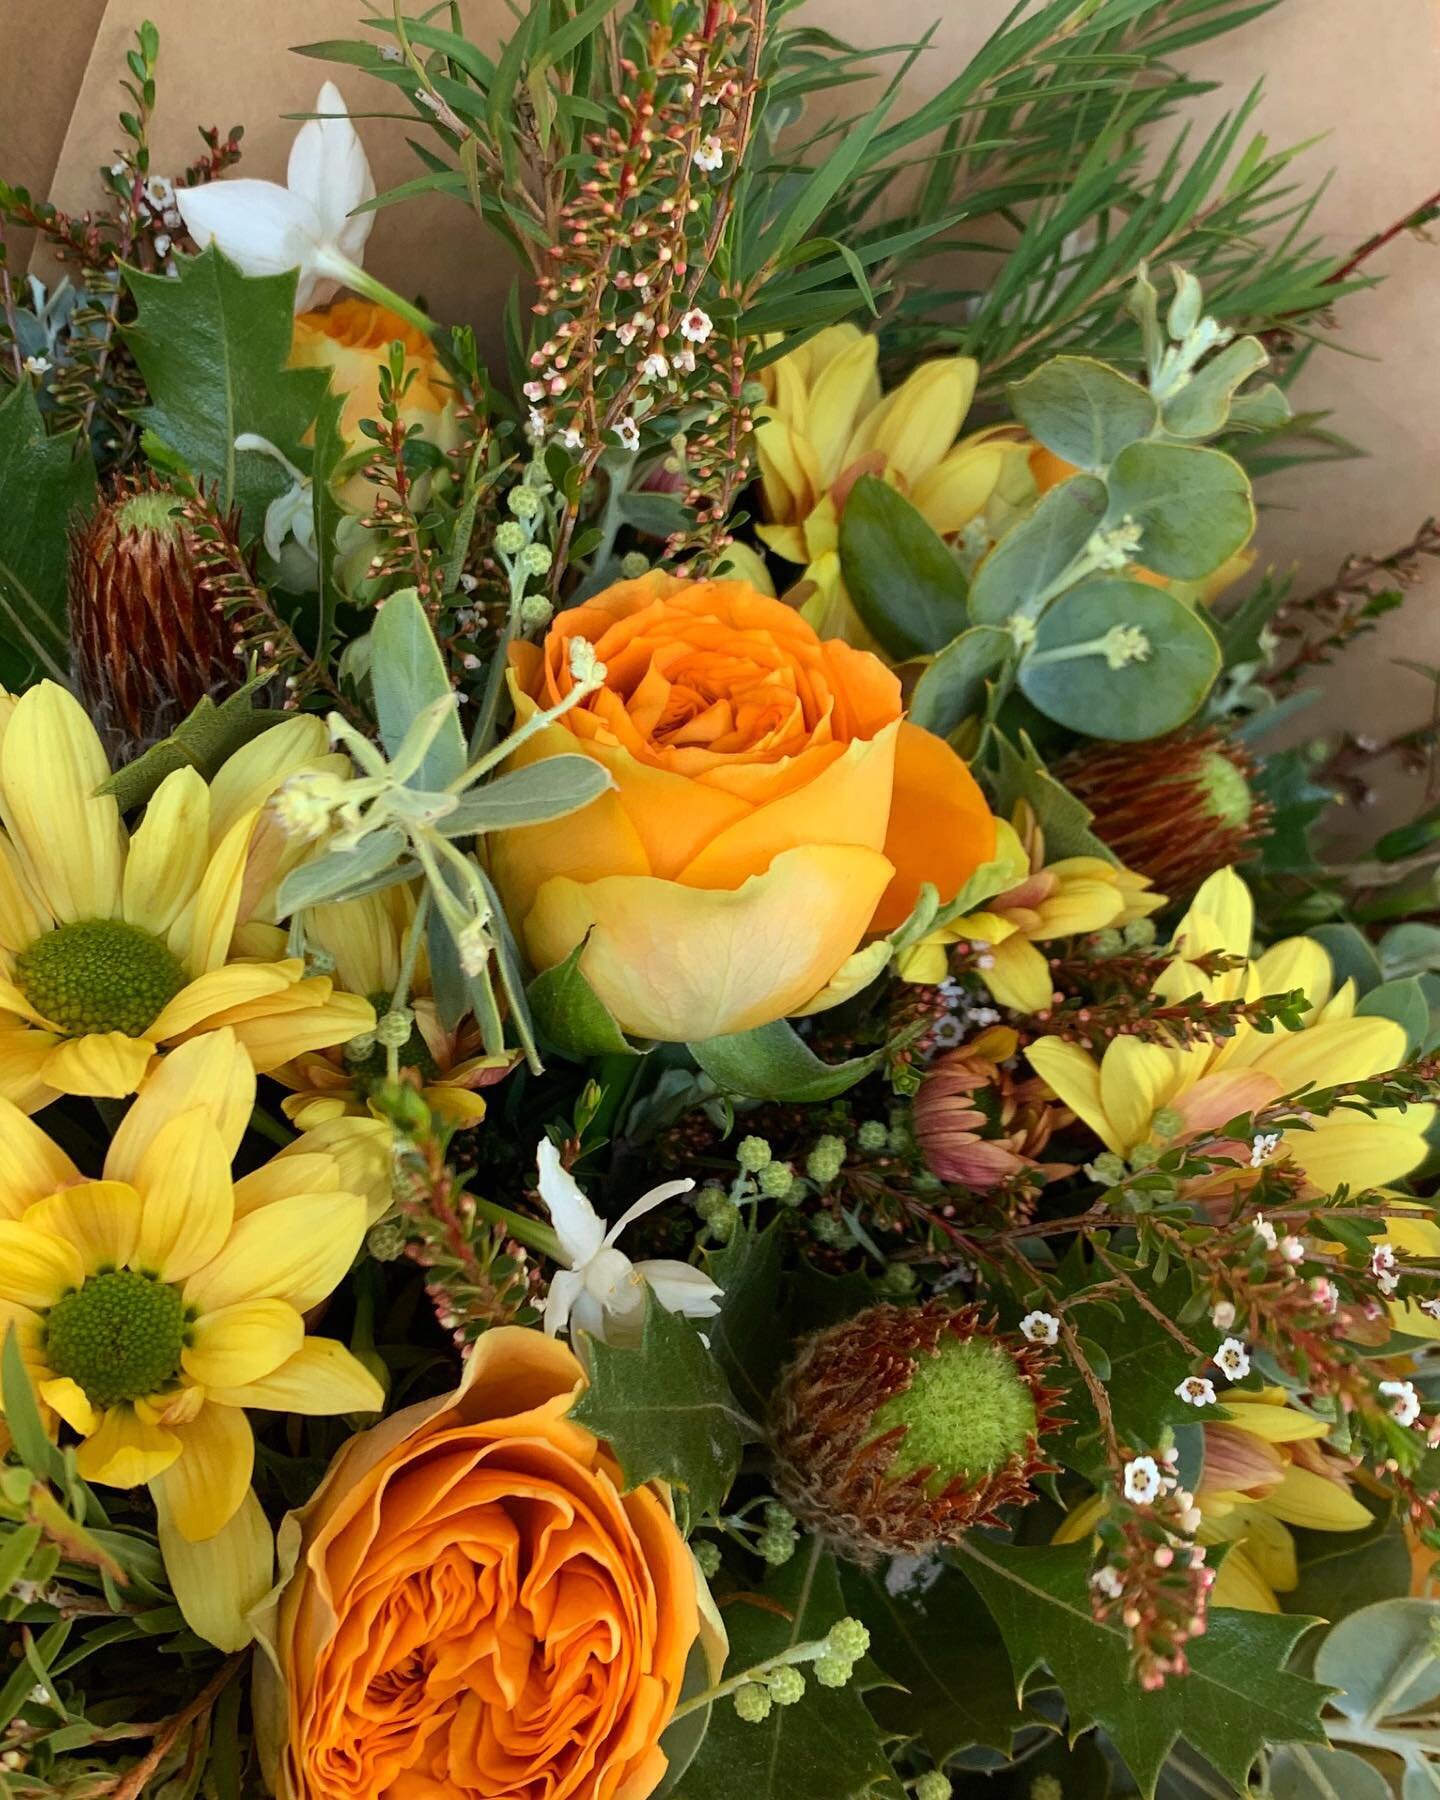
[(906, 582), (1383, 1660), (1315, 1772), (1352, 955), (548, 789), (1083, 410), (1139, 699), (1403, 1001), (773, 1062), (1261, 409), (408, 675), (1021, 572), (951, 688), (1202, 407), (1193, 506), (338, 873), (571, 1015)]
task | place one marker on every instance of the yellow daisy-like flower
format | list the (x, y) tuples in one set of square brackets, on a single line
[(1266, 1469), (365, 938), (153, 1305), (112, 948), (826, 422), (1067, 898), (1213, 1082)]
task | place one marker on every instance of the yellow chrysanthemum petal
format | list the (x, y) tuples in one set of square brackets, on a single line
[(183, 1178), (35, 1268), (218, 1581), (200, 936), (1272, 1421), (23, 1053), (240, 1344), (1240, 1584), (1075, 1077), (246, 780), (31, 1164), (1018, 976), (283, 1177), (206, 1482), (360, 1150), (1134, 1082), (125, 1451), (23, 914), (105, 1065), (213, 994), (99, 1220), (168, 854), (1352, 1151), (308, 1017), (211, 1071), (1296, 962), (322, 1378), (1317, 1503), (297, 1250), (68, 1398)]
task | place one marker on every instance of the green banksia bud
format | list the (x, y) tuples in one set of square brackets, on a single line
[(752, 1154), (786, 1685), (901, 1428), (932, 1785), (707, 1555), (874, 1134), (753, 1703)]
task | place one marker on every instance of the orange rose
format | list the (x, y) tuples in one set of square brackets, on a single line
[(351, 339), (474, 1607), (770, 807)]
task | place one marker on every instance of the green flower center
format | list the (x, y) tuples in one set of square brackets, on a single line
[(1227, 793), (966, 1411), (119, 1336), (99, 975), (148, 511), (368, 1072)]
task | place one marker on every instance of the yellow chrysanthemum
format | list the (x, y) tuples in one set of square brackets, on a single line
[(112, 948), (1040, 901), (154, 1305), (365, 938), (826, 422), (1214, 1082), (1266, 1469)]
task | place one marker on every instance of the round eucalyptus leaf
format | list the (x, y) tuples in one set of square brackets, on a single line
[(952, 687), (1316, 1772), (1083, 410), (1027, 562), (1193, 506), (1175, 659), (1383, 1658)]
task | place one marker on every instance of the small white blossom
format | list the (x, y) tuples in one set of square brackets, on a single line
[(1107, 1581), (1406, 1408), (628, 433), (684, 361), (709, 154), (37, 365), (1292, 1249), (1264, 1146), (1265, 1231), (655, 366), (534, 390), (1196, 1390), (1384, 1268), (598, 1289), (1233, 1359), (1430, 1308), (1040, 1328), (1222, 1315), (159, 193), (1142, 1480), (474, 944), (571, 438), (536, 426), (696, 326), (1324, 1293), (163, 241)]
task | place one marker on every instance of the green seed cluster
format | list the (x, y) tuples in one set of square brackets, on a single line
[(119, 1336), (967, 1410), (99, 975), (368, 1071)]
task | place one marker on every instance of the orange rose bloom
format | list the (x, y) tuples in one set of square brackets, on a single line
[(474, 1607), (351, 339), (770, 808)]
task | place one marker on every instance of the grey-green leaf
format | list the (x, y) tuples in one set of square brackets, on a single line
[(952, 687), (773, 1062), (1083, 410), (1383, 1658), (1202, 406), (1022, 569), (1193, 506), (543, 790), (339, 873), (408, 674)]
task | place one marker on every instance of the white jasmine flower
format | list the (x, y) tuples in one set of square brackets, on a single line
[(291, 514), (628, 433), (599, 1289), (1142, 1480), (1406, 1408), (1196, 1390), (1265, 1231), (37, 365), (696, 326), (1384, 1268), (1233, 1359), (1222, 1315), (1040, 1328), (1265, 1145), (310, 224), (709, 154)]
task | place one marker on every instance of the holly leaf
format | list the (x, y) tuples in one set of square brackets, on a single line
[(1021, 775), (1237, 1697), (666, 1410), (213, 346), (743, 1338), (826, 1746), (56, 478), (930, 1633)]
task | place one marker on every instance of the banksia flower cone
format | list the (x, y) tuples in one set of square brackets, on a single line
[(904, 1426), (1175, 809), (147, 638)]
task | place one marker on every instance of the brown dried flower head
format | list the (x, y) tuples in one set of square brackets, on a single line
[(904, 1426), (148, 640)]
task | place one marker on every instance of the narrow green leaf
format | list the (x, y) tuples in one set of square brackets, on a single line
[(906, 582), (773, 1062)]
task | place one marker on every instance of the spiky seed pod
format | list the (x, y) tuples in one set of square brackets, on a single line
[(147, 638), (905, 1426), (1175, 809)]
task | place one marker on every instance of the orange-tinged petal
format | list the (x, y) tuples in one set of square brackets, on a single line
[(680, 963), (941, 829)]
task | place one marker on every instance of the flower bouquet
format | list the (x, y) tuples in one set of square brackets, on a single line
[(682, 1109)]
